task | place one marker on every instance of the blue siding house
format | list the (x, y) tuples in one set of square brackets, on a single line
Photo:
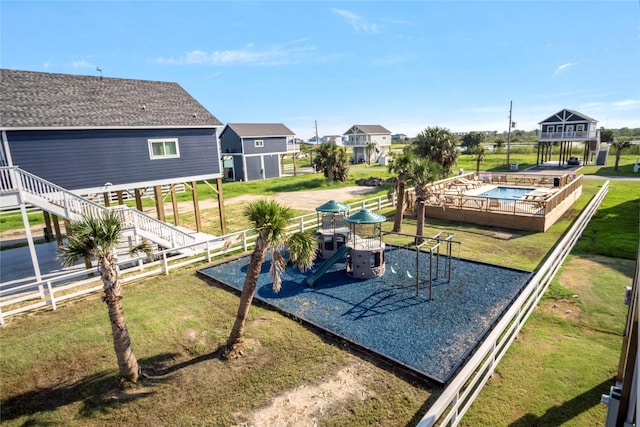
[(99, 136), (565, 128), (81, 132), (254, 150)]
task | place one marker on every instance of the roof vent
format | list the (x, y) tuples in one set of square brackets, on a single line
[(144, 106), (195, 114)]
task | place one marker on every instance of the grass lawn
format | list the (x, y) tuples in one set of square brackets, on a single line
[(58, 368)]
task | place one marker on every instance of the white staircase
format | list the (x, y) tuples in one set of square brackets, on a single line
[(18, 186)]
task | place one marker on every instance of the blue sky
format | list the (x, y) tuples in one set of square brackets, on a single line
[(406, 65)]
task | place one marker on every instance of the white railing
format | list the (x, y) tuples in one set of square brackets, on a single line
[(71, 206), (579, 134), (53, 290), (460, 393)]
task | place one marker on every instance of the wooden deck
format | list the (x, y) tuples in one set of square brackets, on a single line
[(459, 199)]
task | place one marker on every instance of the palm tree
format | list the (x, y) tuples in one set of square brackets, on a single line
[(400, 166), (480, 153), (97, 237), (619, 145), (423, 173), (270, 220), (439, 146), (333, 161)]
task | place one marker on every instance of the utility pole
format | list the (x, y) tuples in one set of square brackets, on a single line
[(509, 136), (314, 145)]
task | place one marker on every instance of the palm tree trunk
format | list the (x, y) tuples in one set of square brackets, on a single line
[(419, 221), (397, 222), (248, 291), (127, 362)]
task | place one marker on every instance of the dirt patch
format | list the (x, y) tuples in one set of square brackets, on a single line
[(307, 404), (567, 309)]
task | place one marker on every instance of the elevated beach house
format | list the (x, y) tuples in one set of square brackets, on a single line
[(253, 151), (566, 129), (98, 141), (368, 142)]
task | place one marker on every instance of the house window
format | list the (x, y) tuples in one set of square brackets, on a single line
[(549, 129), (580, 128), (259, 143), (164, 148)]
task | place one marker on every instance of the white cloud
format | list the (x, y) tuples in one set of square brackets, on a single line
[(289, 53), (563, 67), (82, 63), (356, 21), (626, 104)]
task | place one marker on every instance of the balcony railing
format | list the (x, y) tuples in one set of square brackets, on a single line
[(580, 134)]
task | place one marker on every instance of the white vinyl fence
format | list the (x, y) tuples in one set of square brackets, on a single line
[(460, 393), (54, 290)]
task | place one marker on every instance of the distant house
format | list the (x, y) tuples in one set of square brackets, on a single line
[(565, 128), (254, 151), (94, 135), (368, 142), (399, 137), (334, 139)]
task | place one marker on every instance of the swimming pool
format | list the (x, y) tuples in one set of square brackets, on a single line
[(507, 192)]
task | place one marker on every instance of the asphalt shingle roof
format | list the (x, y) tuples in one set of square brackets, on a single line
[(44, 100), (246, 130), (372, 129)]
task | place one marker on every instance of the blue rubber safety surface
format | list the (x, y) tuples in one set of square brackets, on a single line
[(384, 315)]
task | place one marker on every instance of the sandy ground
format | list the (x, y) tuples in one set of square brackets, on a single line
[(308, 404), (305, 200)]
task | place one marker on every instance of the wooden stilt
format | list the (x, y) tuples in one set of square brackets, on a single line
[(157, 191), (174, 204), (223, 219), (56, 227), (138, 196), (120, 198), (106, 196), (47, 226), (196, 205)]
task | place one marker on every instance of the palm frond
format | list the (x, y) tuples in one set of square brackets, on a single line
[(302, 250), (278, 264)]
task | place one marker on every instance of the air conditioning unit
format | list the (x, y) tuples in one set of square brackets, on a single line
[(627, 296)]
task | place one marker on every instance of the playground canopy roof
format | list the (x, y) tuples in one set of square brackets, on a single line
[(333, 206), (365, 216)]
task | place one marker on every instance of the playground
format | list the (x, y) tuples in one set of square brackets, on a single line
[(418, 306)]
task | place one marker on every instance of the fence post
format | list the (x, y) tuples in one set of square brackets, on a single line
[(52, 298), (302, 224), (244, 241), (208, 252), (165, 263)]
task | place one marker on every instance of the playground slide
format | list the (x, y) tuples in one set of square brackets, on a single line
[(325, 265)]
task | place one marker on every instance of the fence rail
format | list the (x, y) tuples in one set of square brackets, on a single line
[(458, 396), (53, 290)]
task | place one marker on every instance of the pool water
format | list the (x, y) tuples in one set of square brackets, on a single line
[(507, 192)]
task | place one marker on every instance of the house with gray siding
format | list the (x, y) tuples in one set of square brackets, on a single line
[(253, 151), (368, 142)]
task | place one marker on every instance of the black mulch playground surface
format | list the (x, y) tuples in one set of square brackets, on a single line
[(384, 315)]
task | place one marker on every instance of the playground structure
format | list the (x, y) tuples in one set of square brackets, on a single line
[(432, 245), (359, 239), (332, 231), (365, 259)]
